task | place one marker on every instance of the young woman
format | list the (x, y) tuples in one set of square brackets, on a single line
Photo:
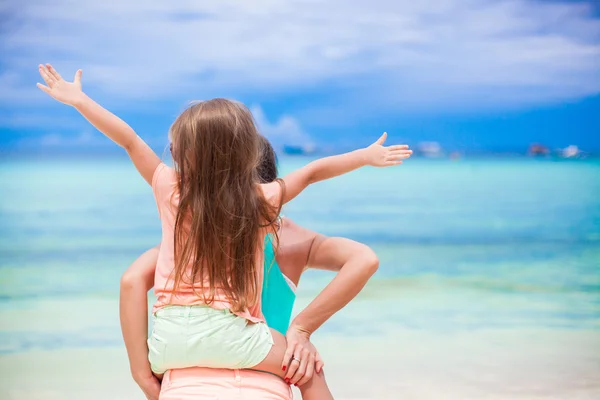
[(299, 249)]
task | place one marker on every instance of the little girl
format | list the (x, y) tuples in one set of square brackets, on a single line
[(214, 216)]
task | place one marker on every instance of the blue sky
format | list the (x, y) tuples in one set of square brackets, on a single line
[(471, 74)]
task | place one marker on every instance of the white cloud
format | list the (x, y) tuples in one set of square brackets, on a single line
[(390, 55), (51, 140), (285, 131), (85, 139), (24, 120)]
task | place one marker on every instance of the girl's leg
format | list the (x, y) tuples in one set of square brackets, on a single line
[(316, 388), (158, 376)]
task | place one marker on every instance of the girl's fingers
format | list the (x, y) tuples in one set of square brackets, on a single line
[(406, 153), (398, 147), (396, 158), (44, 88), (46, 76), (391, 162), (53, 72), (77, 78), (381, 140)]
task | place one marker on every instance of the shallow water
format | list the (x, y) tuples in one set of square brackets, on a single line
[(464, 246)]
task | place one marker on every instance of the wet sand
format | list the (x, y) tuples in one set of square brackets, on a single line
[(486, 364)]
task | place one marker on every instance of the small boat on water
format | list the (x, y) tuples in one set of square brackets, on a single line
[(536, 150), (571, 151), (455, 155), (429, 149)]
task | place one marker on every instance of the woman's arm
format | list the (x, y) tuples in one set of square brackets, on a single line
[(70, 93), (133, 309), (355, 262), (301, 247), (376, 155)]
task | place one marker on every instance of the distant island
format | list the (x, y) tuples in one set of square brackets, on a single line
[(434, 150), (424, 149), (539, 150)]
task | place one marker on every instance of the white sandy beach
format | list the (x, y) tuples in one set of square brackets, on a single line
[(530, 365)]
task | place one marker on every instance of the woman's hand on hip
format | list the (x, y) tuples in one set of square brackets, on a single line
[(150, 386), (301, 359)]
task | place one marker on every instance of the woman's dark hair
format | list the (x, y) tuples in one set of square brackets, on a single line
[(267, 169)]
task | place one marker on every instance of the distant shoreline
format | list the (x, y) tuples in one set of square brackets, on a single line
[(7, 155)]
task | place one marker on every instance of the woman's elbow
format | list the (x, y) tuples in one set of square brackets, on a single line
[(370, 261), (131, 279), (128, 280)]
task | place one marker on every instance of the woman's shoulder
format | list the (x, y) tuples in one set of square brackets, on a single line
[(295, 243), (294, 232)]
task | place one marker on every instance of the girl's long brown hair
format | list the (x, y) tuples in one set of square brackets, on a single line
[(222, 213)]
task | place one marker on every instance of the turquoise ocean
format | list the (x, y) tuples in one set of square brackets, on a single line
[(464, 245)]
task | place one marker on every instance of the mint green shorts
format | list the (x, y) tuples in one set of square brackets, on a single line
[(202, 336)]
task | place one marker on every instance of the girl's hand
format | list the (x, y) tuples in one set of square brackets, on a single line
[(379, 155), (301, 358), (66, 92)]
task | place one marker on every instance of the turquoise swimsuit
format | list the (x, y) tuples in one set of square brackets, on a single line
[(277, 296)]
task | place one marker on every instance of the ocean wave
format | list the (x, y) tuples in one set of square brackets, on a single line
[(383, 287), (22, 341)]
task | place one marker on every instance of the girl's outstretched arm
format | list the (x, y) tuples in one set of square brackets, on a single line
[(376, 155), (70, 93)]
